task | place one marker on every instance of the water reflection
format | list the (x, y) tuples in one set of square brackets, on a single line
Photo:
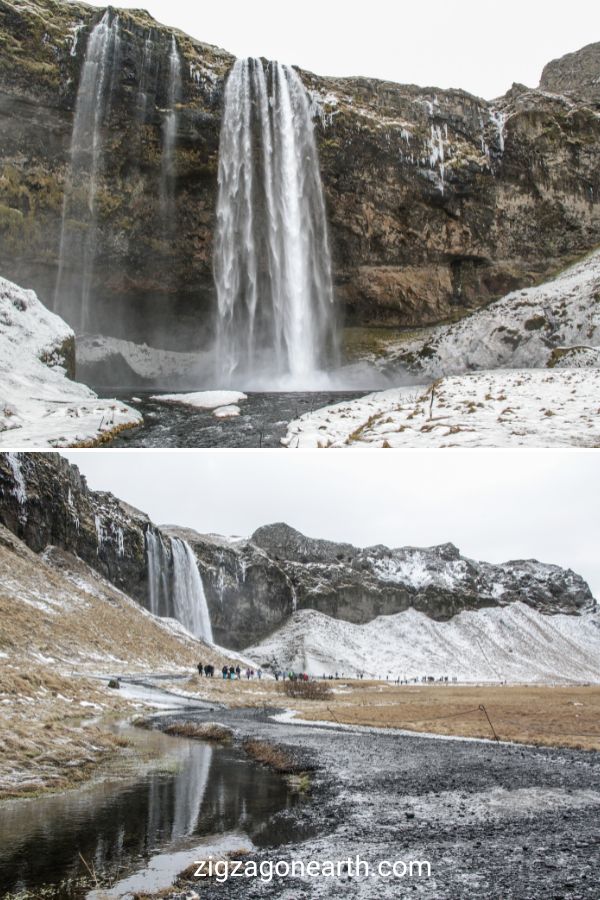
[(114, 825)]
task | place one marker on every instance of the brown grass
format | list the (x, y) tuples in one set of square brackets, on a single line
[(203, 731), (547, 716), (306, 690), (271, 755), (557, 716), (48, 740)]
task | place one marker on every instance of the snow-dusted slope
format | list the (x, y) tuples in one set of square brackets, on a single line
[(525, 329), (503, 408), (524, 372), (39, 405), (514, 644)]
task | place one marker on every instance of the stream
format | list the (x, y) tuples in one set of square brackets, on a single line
[(262, 422), (141, 831)]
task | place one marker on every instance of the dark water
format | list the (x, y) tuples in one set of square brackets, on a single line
[(262, 423), (117, 825)]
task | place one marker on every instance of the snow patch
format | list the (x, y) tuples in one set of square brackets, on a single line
[(203, 399), (39, 405)]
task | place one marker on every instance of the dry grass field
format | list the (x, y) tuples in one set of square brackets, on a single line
[(548, 716)]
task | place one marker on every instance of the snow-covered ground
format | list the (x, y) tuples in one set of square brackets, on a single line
[(556, 323), (514, 644), (524, 372), (39, 405), (501, 408)]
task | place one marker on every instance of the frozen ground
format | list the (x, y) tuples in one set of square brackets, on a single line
[(492, 820), (555, 324), (524, 372), (500, 408), (39, 405), (513, 643)]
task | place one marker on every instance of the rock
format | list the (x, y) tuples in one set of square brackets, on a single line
[(575, 74), (253, 585), (437, 200)]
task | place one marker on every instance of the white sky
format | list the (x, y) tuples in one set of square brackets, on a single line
[(494, 505), (482, 48)]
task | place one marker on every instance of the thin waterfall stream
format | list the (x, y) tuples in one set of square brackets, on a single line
[(72, 296)]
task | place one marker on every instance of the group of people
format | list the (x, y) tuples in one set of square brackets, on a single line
[(291, 676), (229, 673), (207, 671)]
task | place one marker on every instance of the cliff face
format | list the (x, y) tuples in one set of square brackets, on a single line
[(253, 586), (437, 200)]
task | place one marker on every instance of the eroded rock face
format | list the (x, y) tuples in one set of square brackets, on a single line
[(575, 74), (437, 200), (253, 585)]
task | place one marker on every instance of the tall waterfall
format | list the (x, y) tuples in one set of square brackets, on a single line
[(272, 263), (168, 170), (189, 600), (96, 85), (175, 586)]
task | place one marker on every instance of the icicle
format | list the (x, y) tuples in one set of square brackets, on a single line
[(19, 489)]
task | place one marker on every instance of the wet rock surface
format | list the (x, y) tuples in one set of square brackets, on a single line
[(494, 820), (437, 200)]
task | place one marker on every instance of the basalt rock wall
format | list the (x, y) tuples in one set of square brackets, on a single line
[(253, 585), (437, 200)]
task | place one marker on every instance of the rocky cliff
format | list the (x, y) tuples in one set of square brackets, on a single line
[(437, 200), (254, 585)]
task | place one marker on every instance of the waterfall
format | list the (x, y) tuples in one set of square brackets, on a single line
[(189, 601), (78, 238), (175, 586), (144, 80), (158, 575), (272, 263), (168, 170)]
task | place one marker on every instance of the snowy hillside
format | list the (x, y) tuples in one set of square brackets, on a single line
[(525, 329), (39, 404), (514, 644), (524, 372)]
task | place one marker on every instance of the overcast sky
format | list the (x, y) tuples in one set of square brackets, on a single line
[(482, 48), (494, 505)]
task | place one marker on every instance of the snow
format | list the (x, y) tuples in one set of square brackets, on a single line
[(39, 405), (203, 399), (524, 372), (502, 408), (515, 643), (227, 412), (149, 363), (525, 329)]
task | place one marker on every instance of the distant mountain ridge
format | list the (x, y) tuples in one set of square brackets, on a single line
[(253, 586)]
